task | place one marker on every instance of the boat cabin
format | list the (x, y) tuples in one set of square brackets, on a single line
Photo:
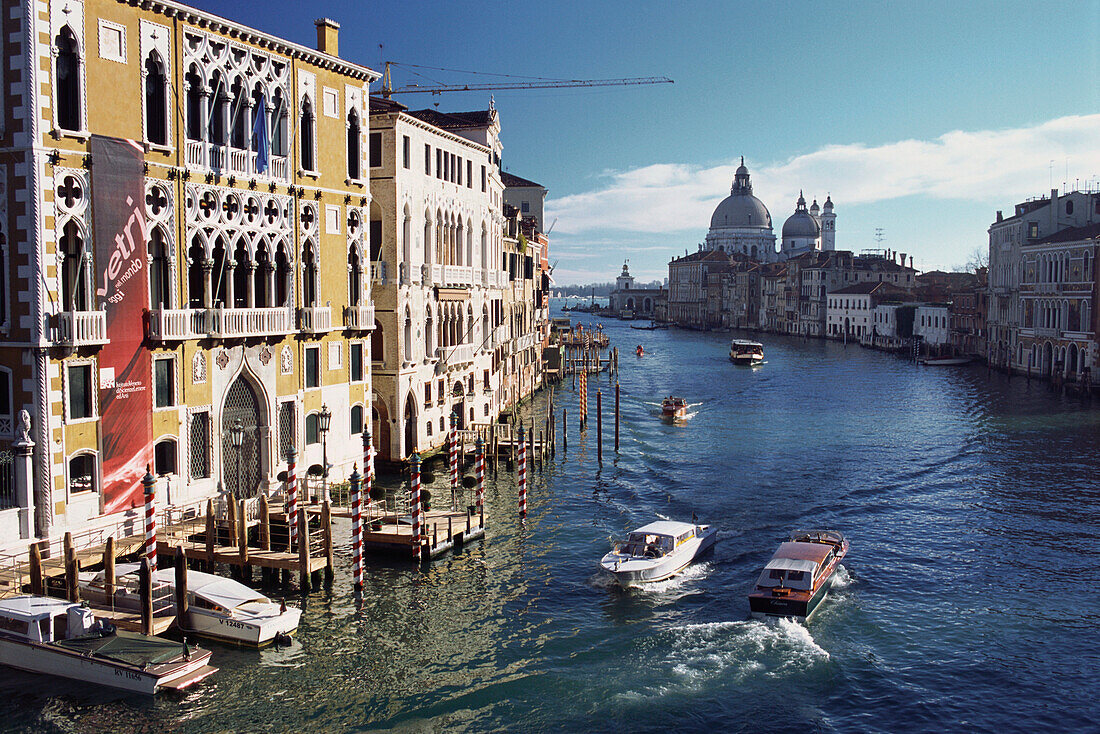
[(795, 565), (44, 619), (657, 539)]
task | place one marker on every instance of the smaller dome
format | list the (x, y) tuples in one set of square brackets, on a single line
[(814, 208), (828, 204), (801, 223)]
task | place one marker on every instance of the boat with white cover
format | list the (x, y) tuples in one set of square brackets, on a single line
[(745, 352), (799, 575), (218, 608), (657, 551), (41, 634)]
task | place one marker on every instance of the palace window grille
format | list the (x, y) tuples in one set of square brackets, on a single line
[(287, 415), (7, 480), (200, 445), (241, 466)]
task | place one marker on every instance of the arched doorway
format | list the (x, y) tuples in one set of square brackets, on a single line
[(241, 468), (458, 405), (1071, 361), (410, 425), (380, 428), (1048, 359)]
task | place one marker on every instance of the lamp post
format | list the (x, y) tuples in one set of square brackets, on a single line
[(324, 424), (236, 433)]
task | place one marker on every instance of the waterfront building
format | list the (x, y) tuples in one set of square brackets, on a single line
[(931, 324), (526, 196), (690, 287), (185, 250), (455, 275), (631, 300), (851, 309), (967, 317), (773, 287), (891, 326), (1042, 286), (741, 296), (808, 230)]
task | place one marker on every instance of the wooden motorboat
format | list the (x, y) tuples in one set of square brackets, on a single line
[(745, 352), (657, 551), (946, 361), (218, 608), (673, 408), (798, 576), (41, 634)]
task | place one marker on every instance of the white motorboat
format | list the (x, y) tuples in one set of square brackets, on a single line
[(218, 608), (745, 352), (41, 634), (657, 551)]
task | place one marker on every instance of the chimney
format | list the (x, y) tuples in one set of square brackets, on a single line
[(328, 34), (910, 261), (1000, 216), (1053, 211)]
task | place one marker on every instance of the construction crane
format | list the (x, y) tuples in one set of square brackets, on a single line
[(536, 83)]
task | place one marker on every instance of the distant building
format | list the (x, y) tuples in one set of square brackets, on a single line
[(630, 299), (931, 325), (526, 196)]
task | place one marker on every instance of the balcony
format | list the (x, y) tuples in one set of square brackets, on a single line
[(500, 335), (457, 275), (225, 159), (81, 328), (456, 355), (409, 273), (178, 324), (315, 319), (378, 272), (359, 317), (246, 322)]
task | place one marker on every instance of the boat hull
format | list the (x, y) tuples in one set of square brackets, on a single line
[(49, 660), (645, 570), (762, 606), (746, 361)]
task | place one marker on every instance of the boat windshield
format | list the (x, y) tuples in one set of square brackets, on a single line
[(646, 545)]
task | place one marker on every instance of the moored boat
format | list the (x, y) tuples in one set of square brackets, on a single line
[(946, 361), (674, 408), (41, 634), (743, 351), (799, 575), (657, 551), (218, 608)]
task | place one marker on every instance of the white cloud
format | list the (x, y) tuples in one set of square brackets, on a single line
[(999, 167)]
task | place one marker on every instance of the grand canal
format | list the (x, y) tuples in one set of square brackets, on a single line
[(969, 598)]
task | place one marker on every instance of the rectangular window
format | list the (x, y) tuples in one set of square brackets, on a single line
[(1032, 229), (287, 414), (427, 160), (427, 394), (375, 150), (486, 380), (164, 458), (80, 391), (355, 362), (454, 165), (406, 152), (524, 207), (164, 382), (199, 445), (313, 367), (459, 169), (469, 174), (438, 163), (483, 179)]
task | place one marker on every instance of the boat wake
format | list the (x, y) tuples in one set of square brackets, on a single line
[(841, 578)]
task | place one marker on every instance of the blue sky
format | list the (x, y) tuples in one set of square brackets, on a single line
[(919, 118)]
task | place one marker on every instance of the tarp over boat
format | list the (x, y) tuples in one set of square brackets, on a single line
[(126, 647)]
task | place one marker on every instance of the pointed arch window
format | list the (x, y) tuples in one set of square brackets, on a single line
[(282, 276), (75, 270), (159, 281), (309, 276), (67, 80), (196, 275), (156, 104), (239, 113), (305, 128), (279, 142), (193, 82), (354, 279), (354, 134), (219, 100)]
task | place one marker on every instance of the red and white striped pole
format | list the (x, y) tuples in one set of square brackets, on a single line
[(356, 532), (150, 484), (292, 496), (414, 511), (480, 451), (368, 466), (522, 476), (452, 440)]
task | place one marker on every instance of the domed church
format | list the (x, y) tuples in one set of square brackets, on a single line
[(742, 224)]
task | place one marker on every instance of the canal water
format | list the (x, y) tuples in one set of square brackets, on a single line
[(969, 598)]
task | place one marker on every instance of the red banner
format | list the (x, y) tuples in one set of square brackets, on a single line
[(122, 290)]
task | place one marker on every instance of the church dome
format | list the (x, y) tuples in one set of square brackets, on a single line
[(741, 208), (801, 223)]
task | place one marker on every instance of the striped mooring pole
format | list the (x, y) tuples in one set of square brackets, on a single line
[(368, 465), (452, 450), (480, 451), (414, 511), (292, 496), (522, 476), (356, 532), (150, 484)]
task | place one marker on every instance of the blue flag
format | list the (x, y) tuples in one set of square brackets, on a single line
[(259, 134)]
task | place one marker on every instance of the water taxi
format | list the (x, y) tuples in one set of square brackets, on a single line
[(657, 551), (798, 576), (41, 634), (218, 608), (673, 408), (743, 351)]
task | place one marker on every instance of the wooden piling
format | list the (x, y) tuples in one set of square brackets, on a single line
[(211, 535), (232, 507), (303, 552), (599, 426), (38, 586), (564, 429), (242, 542), (616, 416), (265, 524), (72, 571), (145, 585), (182, 619), (326, 533), (109, 567)]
